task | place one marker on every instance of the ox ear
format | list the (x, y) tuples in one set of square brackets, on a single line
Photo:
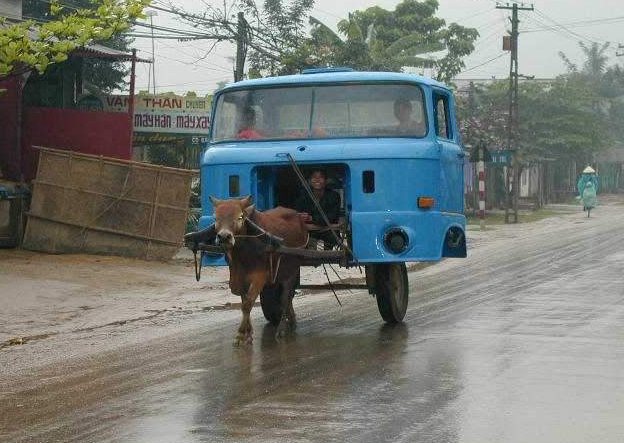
[(214, 201), (244, 202), (249, 210)]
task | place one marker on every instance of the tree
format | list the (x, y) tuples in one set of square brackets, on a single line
[(378, 39), (272, 31), (606, 84), (35, 45), (106, 75), (595, 59), (556, 120)]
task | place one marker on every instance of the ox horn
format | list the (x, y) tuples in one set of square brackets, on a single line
[(214, 201), (245, 202)]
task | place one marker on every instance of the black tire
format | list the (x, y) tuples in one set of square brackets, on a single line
[(392, 291), (271, 303)]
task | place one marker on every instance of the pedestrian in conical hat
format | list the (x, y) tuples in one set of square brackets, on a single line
[(589, 174)]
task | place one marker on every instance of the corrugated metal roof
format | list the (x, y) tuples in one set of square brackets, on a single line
[(101, 51)]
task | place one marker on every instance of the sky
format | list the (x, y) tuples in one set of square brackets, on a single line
[(552, 27)]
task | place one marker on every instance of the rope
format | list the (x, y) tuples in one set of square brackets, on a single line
[(331, 286)]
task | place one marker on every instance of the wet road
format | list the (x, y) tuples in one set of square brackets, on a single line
[(522, 343)]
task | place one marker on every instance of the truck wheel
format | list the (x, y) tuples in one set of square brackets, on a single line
[(392, 291), (271, 303)]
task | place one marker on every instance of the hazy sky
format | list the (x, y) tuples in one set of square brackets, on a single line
[(178, 68)]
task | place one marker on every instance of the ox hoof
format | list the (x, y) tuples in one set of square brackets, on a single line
[(242, 340), (284, 330)]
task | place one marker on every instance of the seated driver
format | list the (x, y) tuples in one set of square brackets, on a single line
[(247, 129), (403, 113), (330, 202)]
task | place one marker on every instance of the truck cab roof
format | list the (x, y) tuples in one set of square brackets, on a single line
[(332, 75)]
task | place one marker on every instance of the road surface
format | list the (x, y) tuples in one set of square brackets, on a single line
[(521, 342)]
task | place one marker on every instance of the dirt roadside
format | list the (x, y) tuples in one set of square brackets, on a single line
[(95, 297)]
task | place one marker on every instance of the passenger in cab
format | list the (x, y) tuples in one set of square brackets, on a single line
[(247, 129), (330, 202), (407, 125)]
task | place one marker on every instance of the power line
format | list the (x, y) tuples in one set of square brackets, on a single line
[(316, 8), (482, 12), (191, 55), (186, 63), (551, 28), (483, 64), (203, 82), (541, 14), (581, 24)]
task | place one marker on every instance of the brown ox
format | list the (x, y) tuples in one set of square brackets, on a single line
[(251, 265)]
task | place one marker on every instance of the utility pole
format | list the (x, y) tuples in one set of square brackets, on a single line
[(481, 175), (241, 45), (512, 124), (475, 176), (151, 14)]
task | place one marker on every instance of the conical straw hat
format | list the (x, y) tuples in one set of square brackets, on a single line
[(589, 170)]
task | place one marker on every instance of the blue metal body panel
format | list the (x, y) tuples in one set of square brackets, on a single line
[(405, 168)]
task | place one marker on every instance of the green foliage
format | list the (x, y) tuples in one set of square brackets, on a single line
[(272, 31), (604, 83), (556, 119), (166, 155), (573, 117), (36, 45), (379, 39), (280, 33)]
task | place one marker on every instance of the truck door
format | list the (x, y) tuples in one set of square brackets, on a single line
[(451, 154)]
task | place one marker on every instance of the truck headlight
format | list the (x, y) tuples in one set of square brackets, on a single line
[(396, 240)]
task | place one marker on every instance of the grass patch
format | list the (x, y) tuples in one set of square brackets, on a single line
[(523, 217)]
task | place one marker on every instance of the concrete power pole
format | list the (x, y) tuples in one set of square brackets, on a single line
[(512, 124), (241, 44), (151, 14)]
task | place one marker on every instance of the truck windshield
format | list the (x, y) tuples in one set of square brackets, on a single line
[(360, 110)]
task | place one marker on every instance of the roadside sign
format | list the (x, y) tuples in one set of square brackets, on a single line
[(500, 159), (480, 154)]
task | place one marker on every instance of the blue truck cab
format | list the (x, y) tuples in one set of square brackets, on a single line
[(389, 143)]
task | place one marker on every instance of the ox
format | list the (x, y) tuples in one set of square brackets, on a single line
[(251, 264)]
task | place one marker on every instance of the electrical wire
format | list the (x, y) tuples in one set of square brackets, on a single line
[(482, 12), (581, 24), (206, 81), (322, 11), (191, 55), (483, 64), (543, 15), (197, 65)]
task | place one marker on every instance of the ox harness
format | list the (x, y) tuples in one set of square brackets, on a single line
[(200, 241)]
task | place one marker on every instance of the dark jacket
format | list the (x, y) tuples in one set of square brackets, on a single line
[(330, 202)]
